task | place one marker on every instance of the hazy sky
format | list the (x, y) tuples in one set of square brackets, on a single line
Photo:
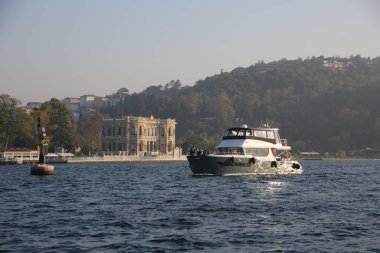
[(51, 48)]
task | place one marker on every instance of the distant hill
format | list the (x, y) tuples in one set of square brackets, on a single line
[(320, 104)]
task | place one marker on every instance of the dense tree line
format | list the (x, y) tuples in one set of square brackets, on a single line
[(18, 128), (317, 107)]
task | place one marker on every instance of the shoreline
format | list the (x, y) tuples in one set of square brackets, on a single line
[(341, 159), (126, 159)]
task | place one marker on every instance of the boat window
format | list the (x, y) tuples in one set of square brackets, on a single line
[(231, 133), (278, 140), (241, 133), (270, 134), (260, 133), (249, 133), (230, 151), (257, 151)]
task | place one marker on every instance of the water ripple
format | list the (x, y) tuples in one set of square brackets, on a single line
[(332, 207)]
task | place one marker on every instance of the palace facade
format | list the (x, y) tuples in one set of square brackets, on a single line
[(138, 136)]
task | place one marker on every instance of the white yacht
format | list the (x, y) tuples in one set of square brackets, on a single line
[(245, 151)]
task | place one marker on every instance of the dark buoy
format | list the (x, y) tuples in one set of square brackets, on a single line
[(41, 168)]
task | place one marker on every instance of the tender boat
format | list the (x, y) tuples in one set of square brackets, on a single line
[(246, 151)]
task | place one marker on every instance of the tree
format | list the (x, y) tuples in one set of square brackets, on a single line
[(8, 115), (89, 133), (317, 107), (59, 125)]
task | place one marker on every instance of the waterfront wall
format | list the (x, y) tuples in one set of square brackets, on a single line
[(126, 159)]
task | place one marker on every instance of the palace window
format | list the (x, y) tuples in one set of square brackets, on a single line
[(169, 146)]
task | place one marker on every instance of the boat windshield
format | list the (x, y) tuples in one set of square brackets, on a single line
[(258, 133), (232, 132), (264, 134), (230, 151)]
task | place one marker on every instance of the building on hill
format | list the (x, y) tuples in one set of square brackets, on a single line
[(138, 136), (100, 102), (31, 105), (86, 101), (336, 64), (73, 105)]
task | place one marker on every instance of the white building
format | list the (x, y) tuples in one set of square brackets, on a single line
[(138, 136)]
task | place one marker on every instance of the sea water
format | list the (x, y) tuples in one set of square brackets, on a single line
[(334, 206)]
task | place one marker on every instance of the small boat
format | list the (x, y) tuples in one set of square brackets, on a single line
[(246, 151)]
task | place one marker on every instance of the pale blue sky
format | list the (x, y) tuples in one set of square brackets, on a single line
[(51, 48)]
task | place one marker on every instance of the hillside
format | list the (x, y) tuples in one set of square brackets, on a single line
[(322, 104)]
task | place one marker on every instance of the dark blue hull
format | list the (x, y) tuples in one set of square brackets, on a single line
[(230, 165)]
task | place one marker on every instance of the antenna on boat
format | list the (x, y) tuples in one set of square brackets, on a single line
[(264, 124)]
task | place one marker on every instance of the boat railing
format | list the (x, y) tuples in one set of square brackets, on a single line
[(284, 156), (228, 153)]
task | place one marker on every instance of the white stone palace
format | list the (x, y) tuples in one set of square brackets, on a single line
[(139, 136)]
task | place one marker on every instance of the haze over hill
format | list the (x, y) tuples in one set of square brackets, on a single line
[(71, 48)]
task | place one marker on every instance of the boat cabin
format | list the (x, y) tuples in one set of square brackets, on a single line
[(262, 134)]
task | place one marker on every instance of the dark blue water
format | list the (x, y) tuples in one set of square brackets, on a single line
[(333, 207)]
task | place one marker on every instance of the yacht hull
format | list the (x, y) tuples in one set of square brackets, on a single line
[(230, 165)]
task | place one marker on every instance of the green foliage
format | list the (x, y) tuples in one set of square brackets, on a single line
[(16, 127), (8, 106), (57, 119), (89, 134), (318, 108)]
